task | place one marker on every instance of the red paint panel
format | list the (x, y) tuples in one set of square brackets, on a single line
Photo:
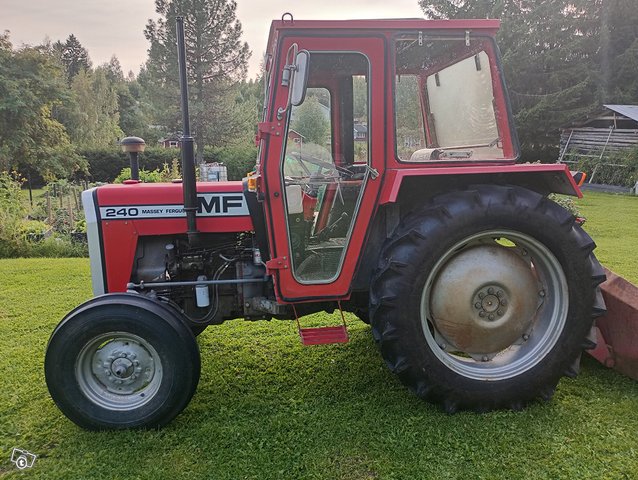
[(394, 177), (157, 193), (119, 242)]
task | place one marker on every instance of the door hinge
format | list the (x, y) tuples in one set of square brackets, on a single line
[(267, 128), (277, 264)]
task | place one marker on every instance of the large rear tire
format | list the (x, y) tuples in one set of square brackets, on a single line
[(122, 361), (485, 297)]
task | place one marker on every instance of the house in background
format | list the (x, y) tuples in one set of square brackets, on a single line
[(360, 132), (596, 144), (601, 136), (295, 137), (170, 141)]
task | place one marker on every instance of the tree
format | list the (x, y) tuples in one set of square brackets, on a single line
[(309, 120), (73, 56), (92, 116), (216, 61), (31, 140)]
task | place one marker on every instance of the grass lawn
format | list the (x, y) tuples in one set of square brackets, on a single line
[(268, 408)]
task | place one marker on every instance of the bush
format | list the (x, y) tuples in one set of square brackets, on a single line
[(33, 230), (23, 237), (623, 171), (105, 165), (55, 246), (12, 212), (239, 159), (567, 203)]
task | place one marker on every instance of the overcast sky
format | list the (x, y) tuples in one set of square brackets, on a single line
[(116, 27)]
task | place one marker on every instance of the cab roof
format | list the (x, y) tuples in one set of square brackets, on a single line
[(288, 24)]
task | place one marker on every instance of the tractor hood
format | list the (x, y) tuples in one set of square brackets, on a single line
[(117, 215), (165, 200)]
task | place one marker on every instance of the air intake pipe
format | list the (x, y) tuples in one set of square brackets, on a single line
[(189, 185)]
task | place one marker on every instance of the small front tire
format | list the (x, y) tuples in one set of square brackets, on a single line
[(122, 361)]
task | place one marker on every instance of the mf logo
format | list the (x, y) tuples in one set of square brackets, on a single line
[(221, 204)]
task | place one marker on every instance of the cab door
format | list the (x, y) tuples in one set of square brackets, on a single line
[(323, 166)]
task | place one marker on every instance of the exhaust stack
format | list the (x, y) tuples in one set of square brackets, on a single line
[(188, 152)]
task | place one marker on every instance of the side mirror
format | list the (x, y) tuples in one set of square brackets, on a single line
[(300, 79), (295, 77)]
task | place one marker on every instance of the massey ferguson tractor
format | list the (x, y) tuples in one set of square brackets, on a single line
[(405, 206)]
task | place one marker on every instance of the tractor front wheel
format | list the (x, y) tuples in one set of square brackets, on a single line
[(122, 361), (484, 298)]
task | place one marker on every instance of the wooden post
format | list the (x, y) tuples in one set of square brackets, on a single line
[(72, 223), (30, 189), (49, 215)]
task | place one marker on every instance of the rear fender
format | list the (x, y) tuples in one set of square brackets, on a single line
[(428, 181)]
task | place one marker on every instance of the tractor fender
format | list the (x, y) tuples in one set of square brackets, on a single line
[(541, 178)]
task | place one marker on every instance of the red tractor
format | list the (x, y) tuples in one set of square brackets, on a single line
[(401, 203)]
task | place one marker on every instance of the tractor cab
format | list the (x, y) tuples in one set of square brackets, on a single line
[(348, 106)]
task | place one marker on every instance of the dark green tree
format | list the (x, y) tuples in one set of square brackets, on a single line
[(73, 56), (216, 61)]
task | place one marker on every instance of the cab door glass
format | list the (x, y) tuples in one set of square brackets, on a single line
[(325, 164)]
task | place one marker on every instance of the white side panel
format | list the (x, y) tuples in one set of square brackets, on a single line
[(93, 236)]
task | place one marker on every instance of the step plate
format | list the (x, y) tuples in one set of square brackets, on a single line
[(323, 335)]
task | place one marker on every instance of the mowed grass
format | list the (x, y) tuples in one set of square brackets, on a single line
[(268, 408)]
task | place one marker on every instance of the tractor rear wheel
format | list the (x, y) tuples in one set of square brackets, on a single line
[(485, 297), (122, 361)]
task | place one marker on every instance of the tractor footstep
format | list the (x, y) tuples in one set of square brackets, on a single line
[(323, 335)]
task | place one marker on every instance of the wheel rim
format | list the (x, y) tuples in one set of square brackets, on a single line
[(119, 371), (494, 305)]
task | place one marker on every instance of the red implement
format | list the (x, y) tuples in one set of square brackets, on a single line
[(617, 331)]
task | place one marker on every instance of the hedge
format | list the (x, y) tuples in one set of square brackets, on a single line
[(106, 164)]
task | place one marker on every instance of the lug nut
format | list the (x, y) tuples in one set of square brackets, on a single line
[(499, 313), (481, 314), (490, 291), (499, 294), (477, 305), (503, 302), (490, 317), (481, 295)]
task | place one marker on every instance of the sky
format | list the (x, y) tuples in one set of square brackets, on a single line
[(116, 27)]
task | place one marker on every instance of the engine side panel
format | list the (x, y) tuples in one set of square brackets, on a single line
[(117, 215)]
